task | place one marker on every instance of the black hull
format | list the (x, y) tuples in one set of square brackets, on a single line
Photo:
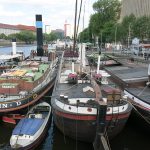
[(85, 130), (141, 117), (22, 103)]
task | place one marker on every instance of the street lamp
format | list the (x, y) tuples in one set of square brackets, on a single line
[(129, 35), (115, 35)]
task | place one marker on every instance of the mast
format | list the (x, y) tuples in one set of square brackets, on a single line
[(98, 64), (75, 22)]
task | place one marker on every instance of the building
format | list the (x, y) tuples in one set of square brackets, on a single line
[(13, 29), (137, 7), (47, 29), (59, 32), (67, 30)]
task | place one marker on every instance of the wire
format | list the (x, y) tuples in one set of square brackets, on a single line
[(142, 91), (139, 112)]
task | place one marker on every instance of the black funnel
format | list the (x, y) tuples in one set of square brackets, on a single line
[(39, 35)]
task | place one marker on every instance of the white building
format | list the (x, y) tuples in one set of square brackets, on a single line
[(13, 29), (67, 30), (47, 29)]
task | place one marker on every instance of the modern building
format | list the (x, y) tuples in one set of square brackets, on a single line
[(59, 31), (137, 7), (67, 30), (12, 29)]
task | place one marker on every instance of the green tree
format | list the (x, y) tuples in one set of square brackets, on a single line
[(27, 36), (85, 36), (106, 15), (3, 36), (141, 28)]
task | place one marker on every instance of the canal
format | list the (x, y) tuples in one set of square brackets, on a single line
[(135, 135)]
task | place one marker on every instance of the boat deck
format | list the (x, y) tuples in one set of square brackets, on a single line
[(142, 93), (132, 75), (129, 74), (74, 90)]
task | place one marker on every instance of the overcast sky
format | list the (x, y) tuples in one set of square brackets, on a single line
[(54, 12)]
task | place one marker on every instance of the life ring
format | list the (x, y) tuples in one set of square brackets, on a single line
[(34, 96)]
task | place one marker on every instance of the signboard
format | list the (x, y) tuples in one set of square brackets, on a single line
[(135, 41)]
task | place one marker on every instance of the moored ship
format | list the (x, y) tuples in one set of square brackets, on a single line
[(75, 101), (27, 82)]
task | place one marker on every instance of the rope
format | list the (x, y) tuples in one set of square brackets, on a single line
[(139, 112), (63, 127), (142, 91), (77, 130), (106, 136)]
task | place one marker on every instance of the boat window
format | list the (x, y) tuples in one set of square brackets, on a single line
[(32, 116)]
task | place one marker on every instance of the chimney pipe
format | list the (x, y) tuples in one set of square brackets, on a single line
[(39, 35), (13, 46)]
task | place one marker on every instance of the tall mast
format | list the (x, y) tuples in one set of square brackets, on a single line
[(75, 19)]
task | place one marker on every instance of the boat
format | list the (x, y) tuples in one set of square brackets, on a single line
[(28, 81), (76, 97), (139, 95), (8, 61), (134, 79), (31, 130)]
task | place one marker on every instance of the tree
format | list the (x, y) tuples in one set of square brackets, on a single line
[(141, 28), (26, 36), (3, 36), (85, 36), (106, 15)]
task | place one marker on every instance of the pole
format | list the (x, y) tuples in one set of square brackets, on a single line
[(75, 20), (129, 35), (101, 39), (115, 35)]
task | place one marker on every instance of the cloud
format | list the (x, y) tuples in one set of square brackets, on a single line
[(54, 12), (7, 13)]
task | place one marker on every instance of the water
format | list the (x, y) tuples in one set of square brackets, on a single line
[(26, 49), (135, 135)]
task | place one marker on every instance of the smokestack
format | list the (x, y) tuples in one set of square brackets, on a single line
[(13, 46), (39, 35)]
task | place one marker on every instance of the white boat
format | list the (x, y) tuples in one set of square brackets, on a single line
[(30, 130)]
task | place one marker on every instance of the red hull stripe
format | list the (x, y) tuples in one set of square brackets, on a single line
[(8, 120), (90, 117)]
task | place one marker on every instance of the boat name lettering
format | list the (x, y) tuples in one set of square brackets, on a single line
[(8, 86), (18, 103), (3, 105)]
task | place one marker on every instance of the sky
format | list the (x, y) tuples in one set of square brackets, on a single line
[(54, 12)]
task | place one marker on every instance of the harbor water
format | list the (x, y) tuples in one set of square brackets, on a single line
[(134, 136)]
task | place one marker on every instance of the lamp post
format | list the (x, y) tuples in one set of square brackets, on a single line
[(101, 39), (115, 35), (129, 34)]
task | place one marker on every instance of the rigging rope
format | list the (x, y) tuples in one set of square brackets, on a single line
[(139, 112)]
